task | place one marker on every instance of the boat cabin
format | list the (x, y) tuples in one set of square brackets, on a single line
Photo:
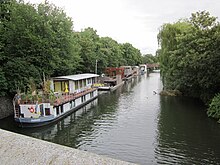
[(135, 70), (69, 93), (73, 83), (143, 68), (127, 71)]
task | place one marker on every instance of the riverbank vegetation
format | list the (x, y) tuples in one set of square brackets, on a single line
[(214, 108), (190, 58), (37, 40)]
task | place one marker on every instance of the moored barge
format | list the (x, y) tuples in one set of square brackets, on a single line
[(67, 94), (112, 80)]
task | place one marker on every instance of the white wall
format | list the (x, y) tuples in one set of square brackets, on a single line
[(87, 96), (78, 101), (66, 107), (25, 110)]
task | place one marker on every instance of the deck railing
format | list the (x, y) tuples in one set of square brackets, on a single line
[(55, 99)]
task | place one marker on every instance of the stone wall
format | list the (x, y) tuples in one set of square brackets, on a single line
[(20, 149), (6, 107)]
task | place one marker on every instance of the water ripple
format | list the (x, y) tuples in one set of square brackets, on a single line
[(136, 125)]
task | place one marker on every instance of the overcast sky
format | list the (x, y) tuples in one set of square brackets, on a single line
[(133, 21)]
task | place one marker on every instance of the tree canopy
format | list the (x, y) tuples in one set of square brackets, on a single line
[(190, 58), (150, 59), (190, 55), (37, 40)]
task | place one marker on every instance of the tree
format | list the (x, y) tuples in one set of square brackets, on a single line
[(3, 83), (58, 35), (189, 55), (36, 40), (168, 39), (88, 40), (113, 52), (131, 55), (109, 53), (149, 59), (39, 39), (214, 108)]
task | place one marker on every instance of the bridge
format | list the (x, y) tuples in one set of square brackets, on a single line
[(153, 66)]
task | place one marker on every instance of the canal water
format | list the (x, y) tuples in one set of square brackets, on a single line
[(136, 125)]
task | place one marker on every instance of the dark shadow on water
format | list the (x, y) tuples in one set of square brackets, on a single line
[(185, 134), (70, 130), (136, 125)]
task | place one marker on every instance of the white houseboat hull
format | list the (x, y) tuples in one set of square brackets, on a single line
[(57, 111)]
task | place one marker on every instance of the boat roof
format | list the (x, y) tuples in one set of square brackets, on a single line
[(135, 66), (76, 77), (125, 66)]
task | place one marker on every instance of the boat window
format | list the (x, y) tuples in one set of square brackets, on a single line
[(57, 86), (61, 108), (41, 110), (80, 84), (63, 85), (47, 111), (89, 81), (72, 104), (91, 94), (84, 82), (57, 110), (76, 85), (82, 99), (93, 80)]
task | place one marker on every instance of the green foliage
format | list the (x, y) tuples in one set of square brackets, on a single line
[(203, 20), (3, 83), (214, 108), (39, 39), (190, 55), (36, 40), (87, 40), (150, 59), (131, 55), (109, 53)]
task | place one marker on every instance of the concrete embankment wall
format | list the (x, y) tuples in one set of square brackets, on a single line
[(6, 107), (20, 149)]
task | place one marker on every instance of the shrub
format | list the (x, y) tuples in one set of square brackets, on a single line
[(214, 108)]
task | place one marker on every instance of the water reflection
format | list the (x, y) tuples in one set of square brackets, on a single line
[(76, 129), (63, 131), (120, 125), (185, 134), (136, 125)]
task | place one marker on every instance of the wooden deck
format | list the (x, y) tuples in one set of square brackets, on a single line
[(68, 97)]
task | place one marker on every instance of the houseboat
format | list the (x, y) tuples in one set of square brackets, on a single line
[(112, 80), (155, 67), (128, 72), (66, 94), (135, 70), (143, 69)]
